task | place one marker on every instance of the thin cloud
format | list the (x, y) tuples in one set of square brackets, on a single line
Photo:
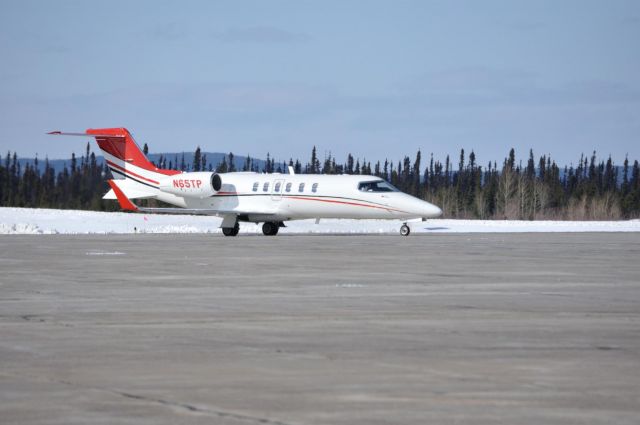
[(631, 20), (481, 87), (169, 31), (523, 25), (262, 34)]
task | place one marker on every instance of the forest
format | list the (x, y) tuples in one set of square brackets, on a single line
[(539, 189)]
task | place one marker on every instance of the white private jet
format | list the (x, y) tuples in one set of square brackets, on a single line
[(271, 199)]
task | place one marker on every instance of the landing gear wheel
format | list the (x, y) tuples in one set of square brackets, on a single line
[(270, 229), (405, 230), (231, 231)]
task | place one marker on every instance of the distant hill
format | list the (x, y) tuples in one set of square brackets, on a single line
[(213, 158)]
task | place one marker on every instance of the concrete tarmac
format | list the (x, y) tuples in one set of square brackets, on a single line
[(438, 329)]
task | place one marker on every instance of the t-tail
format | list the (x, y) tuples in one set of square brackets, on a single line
[(134, 175)]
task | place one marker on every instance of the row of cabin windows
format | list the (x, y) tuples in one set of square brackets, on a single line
[(287, 188)]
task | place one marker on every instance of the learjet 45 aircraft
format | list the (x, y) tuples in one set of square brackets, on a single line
[(271, 199)]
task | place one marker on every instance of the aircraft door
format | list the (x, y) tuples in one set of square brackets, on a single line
[(277, 189)]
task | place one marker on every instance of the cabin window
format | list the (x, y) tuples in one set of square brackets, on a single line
[(255, 186), (314, 188), (265, 188), (301, 187), (376, 186), (276, 188), (288, 187)]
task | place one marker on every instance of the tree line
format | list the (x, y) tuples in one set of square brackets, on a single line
[(538, 189)]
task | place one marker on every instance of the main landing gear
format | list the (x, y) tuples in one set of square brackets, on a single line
[(270, 228), (231, 231), (405, 230)]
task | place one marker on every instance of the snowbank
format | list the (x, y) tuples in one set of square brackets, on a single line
[(46, 221)]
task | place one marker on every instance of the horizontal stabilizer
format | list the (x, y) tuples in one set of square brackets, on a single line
[(122, 153), (126, 204), (60, 133)]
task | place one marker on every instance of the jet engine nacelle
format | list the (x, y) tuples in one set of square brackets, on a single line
[(196, 184)]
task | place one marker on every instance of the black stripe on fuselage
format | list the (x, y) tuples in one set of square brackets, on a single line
[(114, 170)]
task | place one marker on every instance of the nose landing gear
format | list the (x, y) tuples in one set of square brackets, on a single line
[(405, 230)]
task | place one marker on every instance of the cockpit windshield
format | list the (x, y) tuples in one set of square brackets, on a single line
[(376, 186)]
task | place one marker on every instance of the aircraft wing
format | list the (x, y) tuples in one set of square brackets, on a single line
[(188, 211), (127, 205)]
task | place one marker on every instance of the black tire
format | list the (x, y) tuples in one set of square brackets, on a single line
[(270, 229), (405, 230), (231, 231)]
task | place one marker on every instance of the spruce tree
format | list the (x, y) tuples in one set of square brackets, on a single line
[(222, 166), (349, 164), (232, 162), (313, 165), (415, 189), (197, 160)]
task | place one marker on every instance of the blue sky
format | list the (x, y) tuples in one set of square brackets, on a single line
[(380, 79)]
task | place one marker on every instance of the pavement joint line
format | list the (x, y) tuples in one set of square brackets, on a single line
[(538, 328), (159, 401)]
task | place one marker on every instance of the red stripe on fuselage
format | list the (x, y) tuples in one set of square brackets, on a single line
[(308, 198), (311, 198)]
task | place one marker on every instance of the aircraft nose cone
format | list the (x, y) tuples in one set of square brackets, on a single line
[(420, 208), (428, 210), (433, 211)]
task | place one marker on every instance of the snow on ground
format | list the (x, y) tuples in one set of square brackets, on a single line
[(47, 221)]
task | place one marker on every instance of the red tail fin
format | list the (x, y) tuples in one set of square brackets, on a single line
[(119, 143), (123, 155)]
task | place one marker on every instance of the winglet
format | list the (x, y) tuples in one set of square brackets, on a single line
[(124, 202)]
